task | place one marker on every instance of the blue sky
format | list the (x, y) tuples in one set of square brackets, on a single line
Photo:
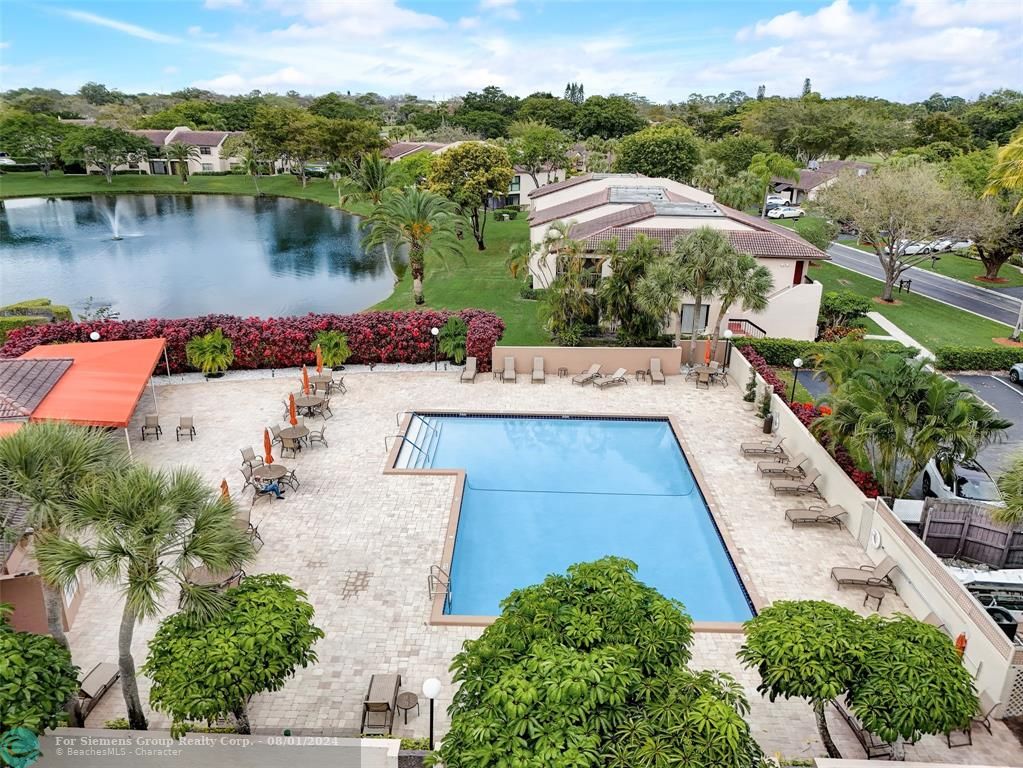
[(902, 49)]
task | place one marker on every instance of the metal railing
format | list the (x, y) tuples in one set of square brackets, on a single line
[(744, 327), (438, 582)]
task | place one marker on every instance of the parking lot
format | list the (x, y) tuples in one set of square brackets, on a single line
[(1007, 399)]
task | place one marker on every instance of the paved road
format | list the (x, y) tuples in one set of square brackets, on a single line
[(1007, 399), (987, 303)]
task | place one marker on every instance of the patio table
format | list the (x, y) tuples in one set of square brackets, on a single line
[(295, 433), (270, 471), (308, 402), (321, 379)]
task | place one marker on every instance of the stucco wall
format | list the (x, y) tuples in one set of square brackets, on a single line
[(578, 359)]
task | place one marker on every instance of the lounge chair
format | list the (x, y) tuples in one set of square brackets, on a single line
[(250, 459), (508, 374), (866, 575), (276, 432), (985, 708), (380, 704), (100, 679), (151, 426), (764, 448), (317, 436), (806, 486), (792, 468), (290, 479), (656, 374), (817, 515), (185, 427), (702, 380), (469, 372), (538, 374), (618, 377), (587, 376)]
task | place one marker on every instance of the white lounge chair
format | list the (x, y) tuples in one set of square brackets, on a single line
[(469, 372), (538, 374), (656, 374), (588, 375), (618, 377), (509, 370)]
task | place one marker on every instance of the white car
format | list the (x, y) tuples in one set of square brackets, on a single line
[(786, 212), (911, 248), (6, 160), (1016, 373), (971, 483), (776, 199), (960, 245), (939, 246)]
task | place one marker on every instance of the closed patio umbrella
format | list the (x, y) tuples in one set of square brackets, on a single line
[(706, 353), (319, 359), (305, 380), (292, 415), (269, 457), (224, 491)]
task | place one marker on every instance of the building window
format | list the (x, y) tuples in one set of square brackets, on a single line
[(207, 166), (204, 151), (516, 183), (133, 166), (687, 318)]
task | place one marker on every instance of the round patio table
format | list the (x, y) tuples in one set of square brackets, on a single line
[(295, 433), (308, 402), (321, 379), (270, 471)]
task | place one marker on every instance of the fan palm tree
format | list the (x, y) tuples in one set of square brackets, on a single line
[(250, 165), (423, 221), (1010, 485), (744, 281), (617, 291), (520, 255), (1007, 173), (369, 179), (768, 165), (840, 362), (710, 175), (179, 152), (145, 531)]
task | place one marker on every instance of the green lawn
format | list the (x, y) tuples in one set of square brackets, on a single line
[(802, 394), (930, 322), (967, 270)]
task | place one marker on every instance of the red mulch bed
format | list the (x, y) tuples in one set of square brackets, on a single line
[(1008, 343), (983, 279)]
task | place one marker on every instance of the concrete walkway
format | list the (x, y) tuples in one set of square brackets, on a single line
[(897, 334)]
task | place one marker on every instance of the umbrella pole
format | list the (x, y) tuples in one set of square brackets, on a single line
[(152, 388), (128, 441), (166, 360)]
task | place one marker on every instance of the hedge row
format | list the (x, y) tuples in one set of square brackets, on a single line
[(31, 312), (283, 342), (977, 358), (782, 352)]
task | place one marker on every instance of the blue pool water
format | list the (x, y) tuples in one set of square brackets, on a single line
[(543, 493)]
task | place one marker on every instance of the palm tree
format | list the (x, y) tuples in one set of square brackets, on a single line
[(1010, 484), (370, 179), (145, 531), (1007, 173), (744, 281), (710, 175), (841, 361), (520, 255), (768, 165), (47, 466), (180, 153), (250, 165), (618, 291), (423, 221)]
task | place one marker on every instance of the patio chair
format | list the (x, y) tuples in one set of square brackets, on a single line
[(243, 519), (866, 575), (618, 377), (764, 448), (702, 379), (94, 685), (185, 427), (275, 432), (151, 426), (508, 374), (538, 374), (985, 708), (292, 445), (287, 409), (469, 372), (806, 486), (587, 376), (656, 374), (317, 436), (250, 459), (291, 480), (817, 515), (324, 408), (379, 706), (246, 471), (338, 384), (793, 468)]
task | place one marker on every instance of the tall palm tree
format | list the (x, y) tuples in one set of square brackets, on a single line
[(369, 179), (617, 291), (47, 467), (179, 152), (1007, 173), (250, 165), (145, 531), (841, 361), (710, 175), (744, 281), (423, 221), (1010, 485), (768, 165)]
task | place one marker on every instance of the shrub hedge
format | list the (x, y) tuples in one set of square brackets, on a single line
[(31, 312), (283, 342), (977, 358), (782, 352)]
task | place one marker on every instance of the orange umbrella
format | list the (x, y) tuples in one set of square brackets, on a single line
[(224, 490), (305, 381), (319, 359), (706, 353), (961, 644), (269, 457), (292, 415)]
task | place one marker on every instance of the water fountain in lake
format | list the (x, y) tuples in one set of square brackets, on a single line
[(112, 216)]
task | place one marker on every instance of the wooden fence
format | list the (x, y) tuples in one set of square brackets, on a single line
[(964, 530)]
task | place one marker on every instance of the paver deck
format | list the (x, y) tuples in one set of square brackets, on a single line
[(360, 543)]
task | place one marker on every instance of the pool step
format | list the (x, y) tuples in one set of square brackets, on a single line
[(419, 444)]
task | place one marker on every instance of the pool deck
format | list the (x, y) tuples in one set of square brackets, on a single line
[(360, 542)]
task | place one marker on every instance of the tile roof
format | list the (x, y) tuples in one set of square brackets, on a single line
[(24, 384), (559, 185), (568, 208), (201, 138), (13, 516), (826, 170), (632, 215), (765, 245), (402, 148), (157, 138)]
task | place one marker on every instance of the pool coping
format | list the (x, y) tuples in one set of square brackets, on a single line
[(437, 615)]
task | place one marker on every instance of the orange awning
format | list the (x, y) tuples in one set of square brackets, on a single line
[(9, 427), (104, 383)]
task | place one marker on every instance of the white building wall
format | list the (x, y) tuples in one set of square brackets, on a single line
[(628, 180)]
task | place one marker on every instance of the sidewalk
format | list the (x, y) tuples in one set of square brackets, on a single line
[(897, 334)]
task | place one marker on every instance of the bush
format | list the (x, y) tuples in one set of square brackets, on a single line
[(839, 332), (511, 213), (32, 312), (211, 353), (782, 352), (976, 358), (21, 168), (117, 724), (843, 308), (451, 339), (212, 173), (282, 342), (531, 294), (333, 347)]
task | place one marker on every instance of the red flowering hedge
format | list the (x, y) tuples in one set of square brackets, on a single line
[(282, 342)]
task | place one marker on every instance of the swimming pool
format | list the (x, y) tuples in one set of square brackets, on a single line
[(542, 493)]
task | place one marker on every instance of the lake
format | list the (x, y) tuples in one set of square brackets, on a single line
[(183, 255)]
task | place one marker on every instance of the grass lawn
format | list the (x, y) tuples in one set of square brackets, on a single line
[(802, 394), (930, 322), (967, 270)]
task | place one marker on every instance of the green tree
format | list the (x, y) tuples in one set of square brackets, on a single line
[(736, 152), (766, 167), (669, 150), (843, 308), (99, 94), (337, 107), (248, 154), (1010, 485), (973, 169), (709, 175), (744, 281), (548, 109), (997, 234), (490, 99), (36, 138), (105, 148), (423, 221), (470, 175), (347, 141), (589, 669), (996, 116), (37, 679), (607, 117), (480, 123), (369, 179), (305, 142), (617, 291), (1007, 173), (197, 114), (205, 670), (742, 192), (568, 304), (144, 531), (810, 128), (179, 152), (942, 126), (537, 148), (816, 231), (413, 170), (273, 130)]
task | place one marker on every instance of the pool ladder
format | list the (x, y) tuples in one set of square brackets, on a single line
[(438, 582), (424, 456)]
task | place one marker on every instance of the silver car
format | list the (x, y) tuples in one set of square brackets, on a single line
[(970, 482), (1016, 373)]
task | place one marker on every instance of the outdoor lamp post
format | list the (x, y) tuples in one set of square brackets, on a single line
[(431, 690), (796, 365), (94, 335), (433, 332), (728, 345)]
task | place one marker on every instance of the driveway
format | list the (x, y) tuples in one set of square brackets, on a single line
[(1007, 399)]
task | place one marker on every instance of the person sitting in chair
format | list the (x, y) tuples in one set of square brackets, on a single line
[(274, 488)]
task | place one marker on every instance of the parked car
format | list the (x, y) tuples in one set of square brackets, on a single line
[(770, 205), (912, 248), (960, 245), (786, 212), (6, 159), (777, 199), (971, 482), (1016, 373), (940, 246)]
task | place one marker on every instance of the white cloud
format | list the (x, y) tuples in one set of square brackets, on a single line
[(333, 18), (469, 22), (215, 5), (195, 30), (504, 8), (835, 20), (170, 70), (4, 44), (941, 13), (129, 29)]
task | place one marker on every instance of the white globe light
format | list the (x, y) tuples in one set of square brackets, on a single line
[(728, 333), (431, 688), (94, 335), (798, 362), (434, 331)]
